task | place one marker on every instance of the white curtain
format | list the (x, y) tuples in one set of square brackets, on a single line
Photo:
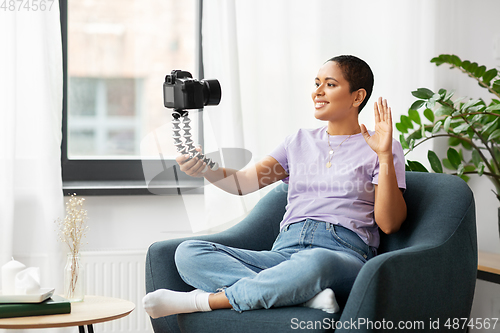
[(266, 55), (31, 195)]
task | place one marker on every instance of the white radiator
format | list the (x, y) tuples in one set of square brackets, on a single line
[(118, 274)]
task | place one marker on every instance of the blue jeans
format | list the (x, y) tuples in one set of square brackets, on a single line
[(306, 258)]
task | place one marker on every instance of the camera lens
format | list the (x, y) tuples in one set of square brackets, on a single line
[(211, 92)]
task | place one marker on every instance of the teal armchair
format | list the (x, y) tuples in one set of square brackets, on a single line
[(424, 273)]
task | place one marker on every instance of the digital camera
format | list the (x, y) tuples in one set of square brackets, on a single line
[(182, 92)]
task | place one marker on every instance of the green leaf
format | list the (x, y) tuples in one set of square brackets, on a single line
[(402, 128), (494, 135), (477, 118), (476, 158), (405, 120), (438, 61), (437, 127), (470, 168), (448, 95), (472, 68), (446, 125), (429, 115), (404, 143), (453, 157), (476, 108), (466, 65), (412, 144), (416, 135), (470, 103), (417, 104), (471, 133), (423, 93), (448, 165), (453, 141), (443, 110), (480, 167), (430, 103), (460, 169), (435, 162), (492, 165), (489, 126), (446, 58), (493, 107), (417, 166), (496, 153), (461, 128), (489, 75), (414, 116), (480, 71), (496, 86), (455, 60), (465, 178), (466, 144)]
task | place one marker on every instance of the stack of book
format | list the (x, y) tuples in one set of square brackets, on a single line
[(54, 305)]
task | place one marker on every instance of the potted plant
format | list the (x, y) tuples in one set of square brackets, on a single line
[(472, 126)]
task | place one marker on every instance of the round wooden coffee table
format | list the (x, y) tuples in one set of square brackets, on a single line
[(93, 310)]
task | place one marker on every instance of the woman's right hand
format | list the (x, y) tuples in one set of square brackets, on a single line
[(192, 167), (239, 182)]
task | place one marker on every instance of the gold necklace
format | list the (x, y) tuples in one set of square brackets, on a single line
[(331, 152)]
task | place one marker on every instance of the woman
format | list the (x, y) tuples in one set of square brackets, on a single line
[(342, 178)]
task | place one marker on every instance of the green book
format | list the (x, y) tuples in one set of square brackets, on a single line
[(54, 305)]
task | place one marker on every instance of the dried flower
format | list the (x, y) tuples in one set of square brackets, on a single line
[(73, 229)]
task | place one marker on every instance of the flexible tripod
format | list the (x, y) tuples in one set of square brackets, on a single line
[(187, 146)]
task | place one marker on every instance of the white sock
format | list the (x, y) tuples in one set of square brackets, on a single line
[(164, 302), (324, 300)]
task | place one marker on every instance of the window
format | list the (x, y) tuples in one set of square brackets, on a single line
[(104, 116), (116, 54)]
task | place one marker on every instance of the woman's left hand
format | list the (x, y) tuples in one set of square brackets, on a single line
[(381, 140)]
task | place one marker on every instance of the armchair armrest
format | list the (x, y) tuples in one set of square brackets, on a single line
[(418, 284)]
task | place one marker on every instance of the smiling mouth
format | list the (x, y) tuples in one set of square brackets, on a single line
[(319, 105)]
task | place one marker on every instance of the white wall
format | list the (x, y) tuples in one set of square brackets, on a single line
[(119, 223), (133, 222)]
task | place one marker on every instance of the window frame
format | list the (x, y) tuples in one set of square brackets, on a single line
[(121, 176)]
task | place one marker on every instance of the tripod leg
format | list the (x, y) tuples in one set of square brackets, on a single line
[(187, 147)]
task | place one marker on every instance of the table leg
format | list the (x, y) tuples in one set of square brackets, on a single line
[(90, 329)]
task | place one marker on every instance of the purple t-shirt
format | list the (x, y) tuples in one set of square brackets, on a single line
[(343, 194)]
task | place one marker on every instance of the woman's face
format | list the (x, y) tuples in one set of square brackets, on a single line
[(332, 97)]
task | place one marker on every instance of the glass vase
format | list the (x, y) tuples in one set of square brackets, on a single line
[(73, 279)]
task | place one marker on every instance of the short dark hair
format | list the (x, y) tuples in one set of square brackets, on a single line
[(357, 73)]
